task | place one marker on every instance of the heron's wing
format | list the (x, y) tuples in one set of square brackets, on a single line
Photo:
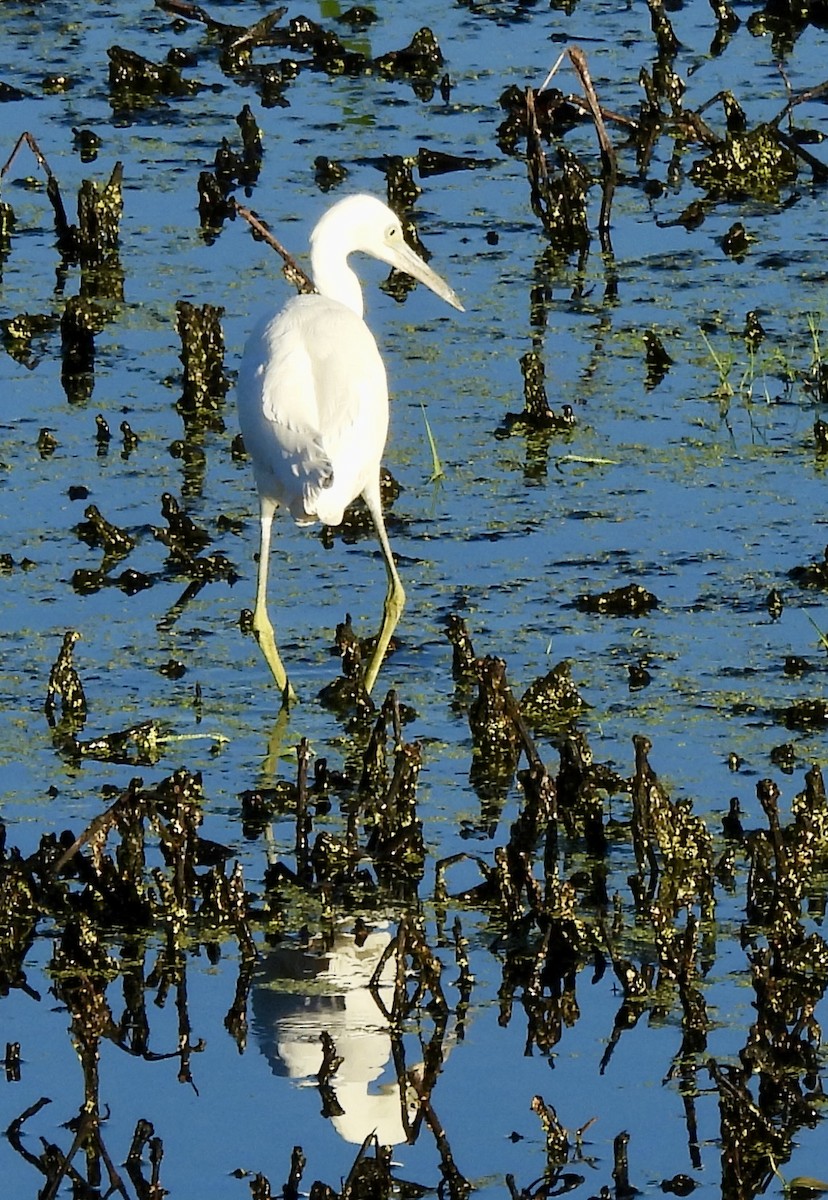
[(312, 390)]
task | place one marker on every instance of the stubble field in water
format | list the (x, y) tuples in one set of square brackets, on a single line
[(706, 497)]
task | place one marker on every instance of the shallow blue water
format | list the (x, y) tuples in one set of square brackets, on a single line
[(707, 508)]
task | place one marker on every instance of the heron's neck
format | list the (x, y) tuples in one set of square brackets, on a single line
[(332, 276)]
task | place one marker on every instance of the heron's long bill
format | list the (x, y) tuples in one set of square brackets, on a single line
[(406, 259)]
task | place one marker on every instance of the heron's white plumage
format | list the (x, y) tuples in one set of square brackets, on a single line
[(313, 399), (318, 431)]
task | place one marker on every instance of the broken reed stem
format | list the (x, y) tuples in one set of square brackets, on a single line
[(35, 149), (608, 159), (293, 272), (803, 97), (529, 747), (15, 1130), (534, 144), (579, 62), (100, 824), (371, 1139), (190, 12), (52, 186), (820, 171)]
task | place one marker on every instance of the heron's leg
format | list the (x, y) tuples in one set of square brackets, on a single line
[(394, 597), (262, 627)]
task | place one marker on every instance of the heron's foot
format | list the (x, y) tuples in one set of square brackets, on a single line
[(263, 632), (280, 678), (394, 602)]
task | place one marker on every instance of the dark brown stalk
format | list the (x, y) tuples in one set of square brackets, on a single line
[(293, 272), (608, 158)]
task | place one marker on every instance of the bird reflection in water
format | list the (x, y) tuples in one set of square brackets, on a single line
[(306, 991)]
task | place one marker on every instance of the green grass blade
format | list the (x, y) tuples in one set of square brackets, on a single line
[(437, 471)]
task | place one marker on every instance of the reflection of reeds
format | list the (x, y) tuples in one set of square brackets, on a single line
[(551, 924), (587, 877), (551, 927)]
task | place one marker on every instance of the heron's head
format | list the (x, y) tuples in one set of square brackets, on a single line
[(363, 223)]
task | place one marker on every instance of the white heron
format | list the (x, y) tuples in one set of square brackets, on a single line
[(313, 401)]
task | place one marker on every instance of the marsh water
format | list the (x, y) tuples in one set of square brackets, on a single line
[(701, 482)]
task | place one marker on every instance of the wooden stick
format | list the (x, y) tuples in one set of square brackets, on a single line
[(293, 271)]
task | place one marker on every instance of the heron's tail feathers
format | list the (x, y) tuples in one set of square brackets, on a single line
[(311, 504)]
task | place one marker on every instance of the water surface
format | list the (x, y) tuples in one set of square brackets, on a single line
[(708, 501)]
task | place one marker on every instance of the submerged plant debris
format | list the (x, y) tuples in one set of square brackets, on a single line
[(548, 918), (97, 885)]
